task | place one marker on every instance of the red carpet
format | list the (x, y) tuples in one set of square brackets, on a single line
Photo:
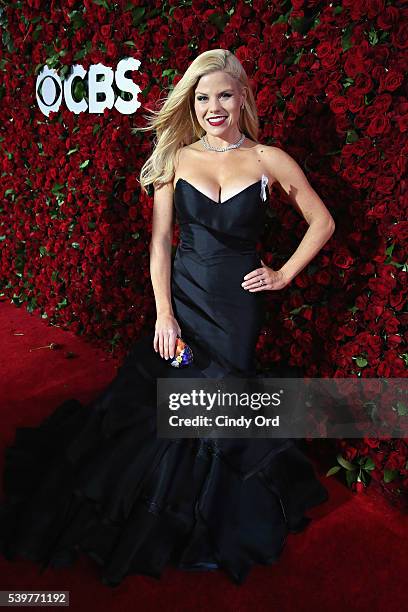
[(353, 557)]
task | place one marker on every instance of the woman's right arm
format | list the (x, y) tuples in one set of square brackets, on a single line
[(167, 327)]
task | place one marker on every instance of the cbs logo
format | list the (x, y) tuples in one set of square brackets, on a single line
[(49, 88)]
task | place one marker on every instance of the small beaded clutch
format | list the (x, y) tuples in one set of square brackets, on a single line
[(183, 354)]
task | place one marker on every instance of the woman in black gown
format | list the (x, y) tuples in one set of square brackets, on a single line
[(97, 479)]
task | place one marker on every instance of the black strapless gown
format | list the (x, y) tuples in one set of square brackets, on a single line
[(96, 479)]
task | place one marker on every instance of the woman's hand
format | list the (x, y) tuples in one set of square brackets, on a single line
[(166, 331), (265, 279)]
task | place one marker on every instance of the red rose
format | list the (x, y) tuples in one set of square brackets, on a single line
[(391, 80), (400, 231), (350, 453), (391, 323), (395, 461), (307, 313), (295, 351), (302, 281), (338, 105), (343, 260), (355, 101), (106, 31), (323, 278), (379, 125), (381, 286), (355, 63)]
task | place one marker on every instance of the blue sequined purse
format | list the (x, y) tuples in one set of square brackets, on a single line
[(183, 354)]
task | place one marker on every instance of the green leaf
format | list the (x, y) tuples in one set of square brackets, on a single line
[(170, 72), (346, 464), (402, 409), (333, 470), (361, 362), (348, 81), (282, 18), (36, 33), (79, 92), (390, 475), (103, 3), (297, 24), (296, 311), (83, 52), (55, 190), (298, 56), (352, 136), (369, 464), (138, 14), (76, 19), (115, 339), (346, 38), (351, 477), (372, 37), (64, 71), (365, 477), (369, 97)]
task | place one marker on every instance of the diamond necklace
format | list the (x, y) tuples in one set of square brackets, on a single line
[(235, 145)]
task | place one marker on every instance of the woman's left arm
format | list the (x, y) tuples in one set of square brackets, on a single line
[(304, 198)]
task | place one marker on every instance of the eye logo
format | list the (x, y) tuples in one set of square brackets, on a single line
[(49, 88)]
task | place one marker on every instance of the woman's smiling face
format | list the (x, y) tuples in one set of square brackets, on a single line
[(218, 95)]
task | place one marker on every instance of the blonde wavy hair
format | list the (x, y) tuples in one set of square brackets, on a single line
[(176, 125)]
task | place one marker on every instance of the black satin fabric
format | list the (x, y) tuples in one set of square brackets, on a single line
[(217, 249), (96, 479)]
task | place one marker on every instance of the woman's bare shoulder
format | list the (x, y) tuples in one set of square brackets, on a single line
[(191, 148), (275, 158), (184, 155), (269, 149)]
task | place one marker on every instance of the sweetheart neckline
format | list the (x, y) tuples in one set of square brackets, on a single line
[(211, 199)]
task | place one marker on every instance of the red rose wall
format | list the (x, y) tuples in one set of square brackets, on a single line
[(328, 79)]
